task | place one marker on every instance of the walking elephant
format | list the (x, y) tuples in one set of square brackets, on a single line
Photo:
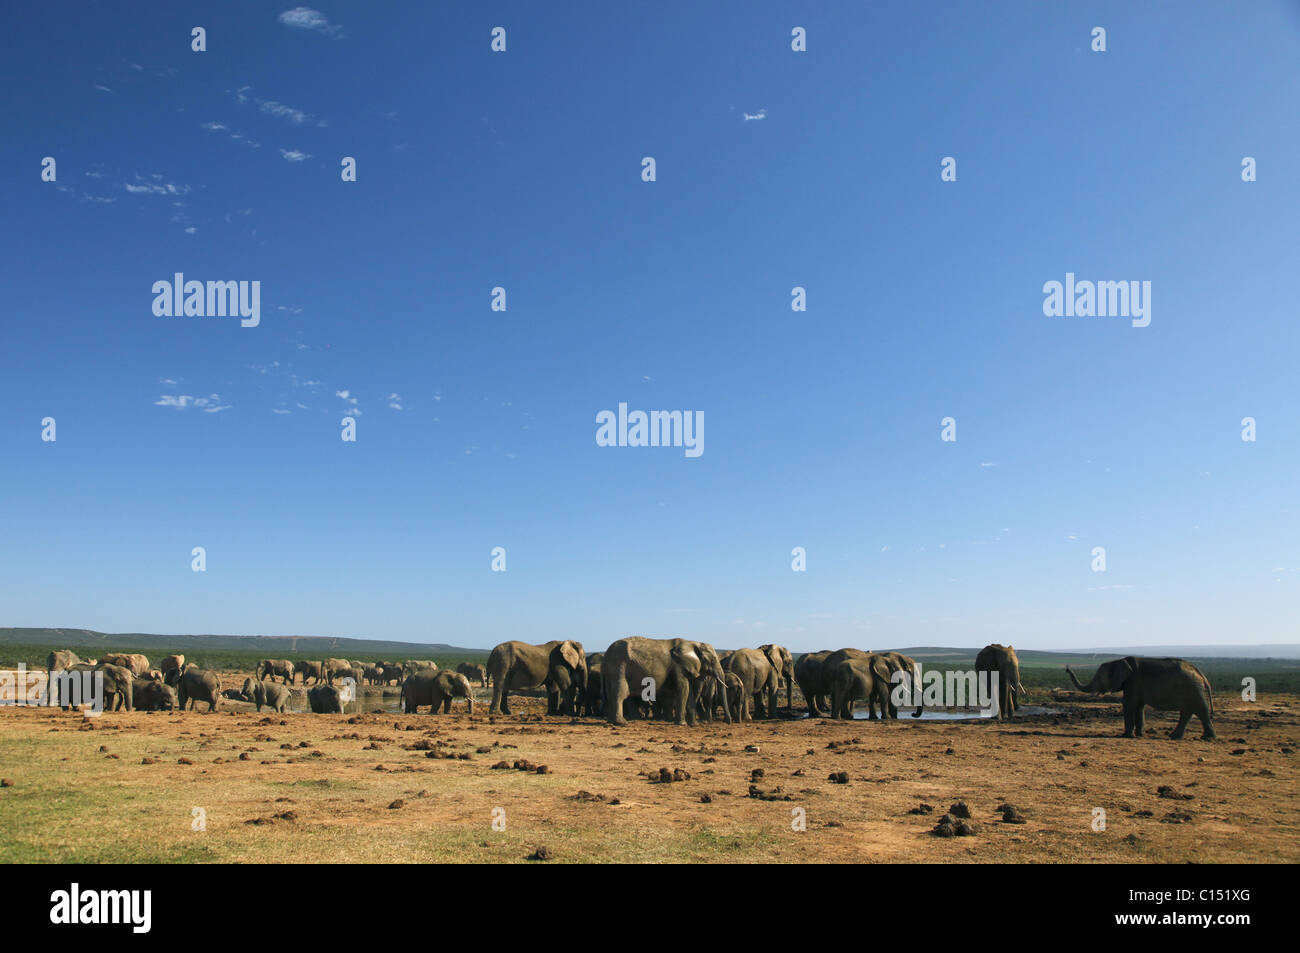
[(758, 676), (272, 694), (1167, 684), (676, 667), (436, 689), (312, 670), (1002, 660), (196, 685), (276, 668), (336, 668), (171, 663), (515, 666)]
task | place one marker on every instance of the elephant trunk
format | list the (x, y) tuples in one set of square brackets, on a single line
[(1088, 688)]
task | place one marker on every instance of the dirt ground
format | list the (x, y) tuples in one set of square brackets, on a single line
[(301, 788)]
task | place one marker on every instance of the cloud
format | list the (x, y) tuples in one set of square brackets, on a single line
[(103, 89), (213, 127), (156, 187), (294, 155), (988, 464), (394, 401), (751, 117), (281, 111), (305, 18), (209, 405)]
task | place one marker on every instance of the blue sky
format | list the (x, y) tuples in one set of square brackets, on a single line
[(522, 169)]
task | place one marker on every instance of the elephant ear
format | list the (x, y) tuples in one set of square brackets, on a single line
[(572, 655), (685, 655), (773, 656)]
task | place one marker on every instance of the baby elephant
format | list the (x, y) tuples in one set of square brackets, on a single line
[(152, 695), (270, 693), (435, 689)]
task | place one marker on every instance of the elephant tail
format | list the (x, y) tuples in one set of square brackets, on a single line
[(1208, 690)]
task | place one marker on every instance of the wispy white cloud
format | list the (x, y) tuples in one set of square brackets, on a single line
[(102, 89), (293, 155), (752, 117), (281, 111), (305, 18), (209, 405)]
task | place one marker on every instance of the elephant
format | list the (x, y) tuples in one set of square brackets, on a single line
[(414, 665), (152, 695), (559, 665), (1002, 659), (566, 689), (674, 667), (813, 673), (336, 667), (326, 699), (808, 671), (709, 695), (118, 685), (435, 689), (783, 662), (392, 672), (758, 676), (273, 694), (374, 675), (1167, 684), (881, 682), (197, 685), (60, 659), (593, 701), (171, 663), (856, 677), (275, 667), (306, 669), (897, 662), (474, 672), (137, 664)]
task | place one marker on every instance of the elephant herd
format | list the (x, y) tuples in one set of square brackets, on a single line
[(681, 680)]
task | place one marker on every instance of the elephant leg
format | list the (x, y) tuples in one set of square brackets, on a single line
[(495, 707), (615, 695), (1183, 718), (772, 696), (814, 710), (1207, 724)]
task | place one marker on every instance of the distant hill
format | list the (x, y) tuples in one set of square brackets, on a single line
[(271, 646)]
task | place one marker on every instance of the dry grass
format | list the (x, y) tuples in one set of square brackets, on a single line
[(70, 801)]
